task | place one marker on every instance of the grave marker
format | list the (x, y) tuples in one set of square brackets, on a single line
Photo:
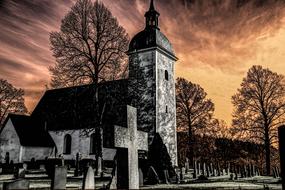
[(133, 140), (89, 179), (59, 179), (17, 184)]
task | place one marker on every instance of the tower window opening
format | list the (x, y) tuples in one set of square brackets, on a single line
[(166, 75), (166, 109)]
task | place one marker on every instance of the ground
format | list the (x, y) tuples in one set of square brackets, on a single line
[(39, 180)]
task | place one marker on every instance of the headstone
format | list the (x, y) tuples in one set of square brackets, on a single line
[(182, 173), (7, 158), (177, 175), (198, 169), (113, 183), (76, 172), (166, 176), (59, 179), (211, 168), (204, 169), (25, 166), (215, 172), (187, 166), (42, 167), (133, 140), (219, 169), (89, 179), (208, 171), (140, 177), (21, 173), (228, 169), (17, 184), (274, 173), (152, 176), (224, 172), (195, 170), (281, 134)]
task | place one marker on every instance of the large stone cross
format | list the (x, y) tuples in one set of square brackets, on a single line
[(133, 140)]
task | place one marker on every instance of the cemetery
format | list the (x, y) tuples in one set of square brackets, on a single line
[(122, 134)]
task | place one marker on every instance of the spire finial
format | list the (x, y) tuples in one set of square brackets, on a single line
[(151, 7)]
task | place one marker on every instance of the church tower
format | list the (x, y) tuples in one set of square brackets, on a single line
[(152, 83)]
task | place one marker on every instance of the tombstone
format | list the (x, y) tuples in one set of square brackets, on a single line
[(187, 167), (7, 158), (218, 169), (228, 169), (113, 182), (89, 179), (182, 173), (42, 167), (21, 173), (25, 166), (215, 172), (208, 171), (152, 176), (133, 140), (177, 175), (245, 171), (166, 176), (281, 134), (17, 184), (204, 169), (224, 172), (198, 170), (278, 172), (140, 177), (253, 170), (59, 178), (274, 173), (235, 175), (195, 170), (211, 168)]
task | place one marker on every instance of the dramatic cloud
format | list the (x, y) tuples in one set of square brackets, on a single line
[(217, 41)]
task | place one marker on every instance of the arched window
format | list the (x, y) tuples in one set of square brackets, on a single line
[(166, 74), (92, 144), (67, 144)]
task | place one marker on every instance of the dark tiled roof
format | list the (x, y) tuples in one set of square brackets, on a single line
[(74, 108), (148, 38), (29, 133)]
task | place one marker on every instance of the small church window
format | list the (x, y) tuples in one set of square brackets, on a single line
[(166, 75), (92, 144), (166, 109), (67, 144)]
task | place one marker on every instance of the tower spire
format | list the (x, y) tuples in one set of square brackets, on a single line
[(151, 7), (151, 17)]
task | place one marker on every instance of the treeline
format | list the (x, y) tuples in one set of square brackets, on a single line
[(222, 151)]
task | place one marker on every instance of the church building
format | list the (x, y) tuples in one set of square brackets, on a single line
[(61, 123)]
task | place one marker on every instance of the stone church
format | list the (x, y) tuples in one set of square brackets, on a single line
[(59, 124)]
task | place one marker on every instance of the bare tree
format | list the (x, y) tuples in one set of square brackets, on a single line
[(194, 110), (11, 100), (90, 48), (260, 108)]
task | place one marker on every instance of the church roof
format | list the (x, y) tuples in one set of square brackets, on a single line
[(74, 107), (29, 133), (148, 38)]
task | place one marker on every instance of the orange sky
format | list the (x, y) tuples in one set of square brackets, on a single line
[(217, 41)]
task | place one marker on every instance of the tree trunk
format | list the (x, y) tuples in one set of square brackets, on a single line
[(190, 147), (267, 151)]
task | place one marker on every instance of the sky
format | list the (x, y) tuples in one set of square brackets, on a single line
[(216, 41)]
